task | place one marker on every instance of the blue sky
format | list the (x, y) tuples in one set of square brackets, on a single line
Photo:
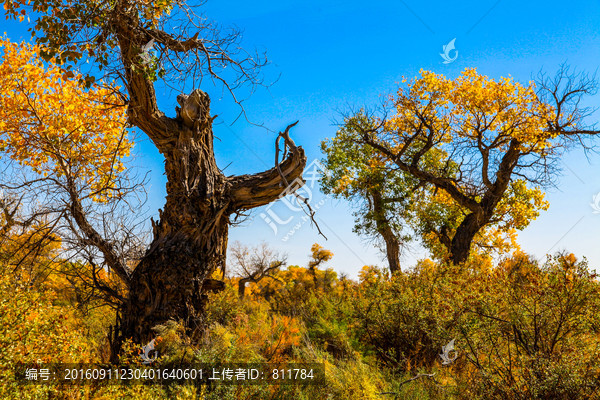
[(331, 56)]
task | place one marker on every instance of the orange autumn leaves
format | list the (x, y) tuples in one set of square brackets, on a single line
[(57, 128)]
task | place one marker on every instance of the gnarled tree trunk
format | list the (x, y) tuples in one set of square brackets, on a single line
[(190, 239), (460, 247), (482, 212)]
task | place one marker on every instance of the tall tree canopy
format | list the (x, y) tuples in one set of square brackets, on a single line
[(500, 142), (137, 43), (395, 208)]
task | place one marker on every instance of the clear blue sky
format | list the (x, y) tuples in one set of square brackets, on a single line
[(334, 55)]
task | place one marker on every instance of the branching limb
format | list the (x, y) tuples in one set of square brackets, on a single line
[(250, 191), (143, 109), (94, 238), (101, 286), (443, 183)]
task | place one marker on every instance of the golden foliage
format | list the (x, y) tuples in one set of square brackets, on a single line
[(476, 107), (50, 124)]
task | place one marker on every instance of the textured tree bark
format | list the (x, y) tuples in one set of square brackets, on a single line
[(392, 244), (463, 237), (392, 251), (190, 239)]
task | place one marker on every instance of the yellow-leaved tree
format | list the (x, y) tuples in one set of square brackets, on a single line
[(63, 148), (496, 142), (51, 124)]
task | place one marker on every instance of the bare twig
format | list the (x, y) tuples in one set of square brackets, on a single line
[(289, 144)]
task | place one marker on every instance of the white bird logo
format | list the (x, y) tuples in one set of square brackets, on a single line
[(146, 52), (147, 349), (596, 203), (447, 48), (446, 360)]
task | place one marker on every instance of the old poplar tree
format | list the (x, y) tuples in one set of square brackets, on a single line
[(500, 144), (138, 43)]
